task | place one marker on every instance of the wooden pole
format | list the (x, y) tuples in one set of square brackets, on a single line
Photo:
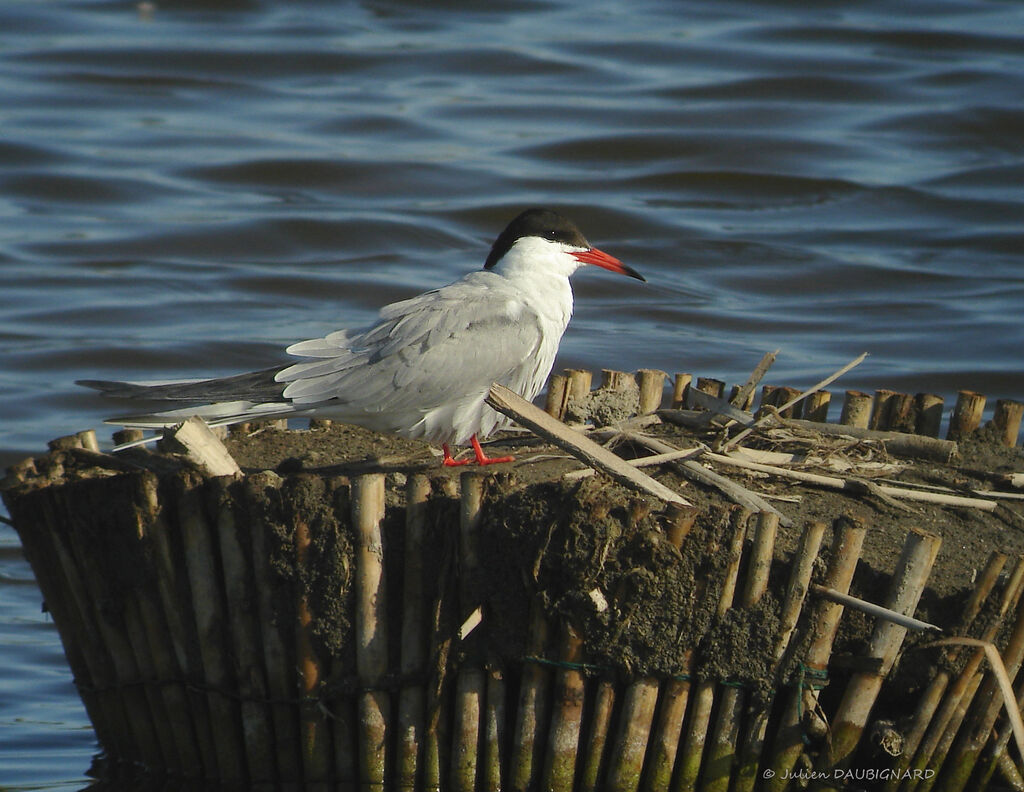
[(703, 694), (724, 748), (247, 650), (652, 387), (527, 741), (469, 685), (880, 418), (210, 624), (908, 583), (554, 402), (315, 736), (566, 716), (816, 406), (1006, 420), (680, 390), (495, 752), (675, 693), (266, 516), (848, 538), (856, 409), (371, 629), (711, 386), (632, 735), (929, 413), (414, 639), (902, 413), (801, 568), (579, 383), (966, 415), (593, 759)]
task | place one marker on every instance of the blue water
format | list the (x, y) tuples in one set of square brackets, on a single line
[(187, 187)]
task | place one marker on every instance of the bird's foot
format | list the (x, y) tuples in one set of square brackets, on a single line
[(478, 451)]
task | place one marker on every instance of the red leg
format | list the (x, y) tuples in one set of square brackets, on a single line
[(449, 460), (483, 459)]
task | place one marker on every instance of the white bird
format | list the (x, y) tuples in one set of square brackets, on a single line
[(424, 368)]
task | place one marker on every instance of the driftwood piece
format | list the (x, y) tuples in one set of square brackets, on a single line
[(583, 448), (743, 394)]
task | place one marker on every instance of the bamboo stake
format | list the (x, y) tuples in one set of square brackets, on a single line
[(566, 718), (848, 538), (929, 413), (652, 387), (469, 686), (724, 746), (371, 628), (675, 693), (257, 726), (977, 730), (680, 390), (903, 413), (579, 382), (856, 409), (615, 380), (527, 745), (633, 733), (1006, 420), (880, 418), (593, 755), (929, 701), (198, 442), (313, 729), (947, 738), (495, 730), (554, 402), (966, 416), (941, 728), (908, 583), (704, 694), (816, 406), (801, 568), (509, 403), (63, 593), (414, 639), (711, 386), (210, 625), (263, 493)]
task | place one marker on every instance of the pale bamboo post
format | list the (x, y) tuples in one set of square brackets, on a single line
[(579, 383), (847, 541), (681, 390), (632, 735), (63, 593), (469, 685), (554, 402), (371, 628), (977, 728), (1006, 420), (703, 695), (902, 413), (652, 387), (672, 701), (801, 569), (932, 697), (711, 386), (908, 583), (856, 409), (816, 406), (724, 748), (567, 715), (279, 660), (966, 416), (880, 418), (942, 727), (414, 639), (527, 745), (210, 624), (929, 413), (247, 651), (592, 760), (315, 736), (495, 729)]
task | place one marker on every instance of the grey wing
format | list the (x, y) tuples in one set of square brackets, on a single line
[(426, 351)]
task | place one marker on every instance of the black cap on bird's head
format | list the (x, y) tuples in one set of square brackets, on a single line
[(550, 225)]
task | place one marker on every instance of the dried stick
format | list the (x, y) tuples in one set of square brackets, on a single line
[(795, 400), (583, 448), (742, 396), (371, 627)]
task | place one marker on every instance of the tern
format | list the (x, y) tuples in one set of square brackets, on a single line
[(424, 369)]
